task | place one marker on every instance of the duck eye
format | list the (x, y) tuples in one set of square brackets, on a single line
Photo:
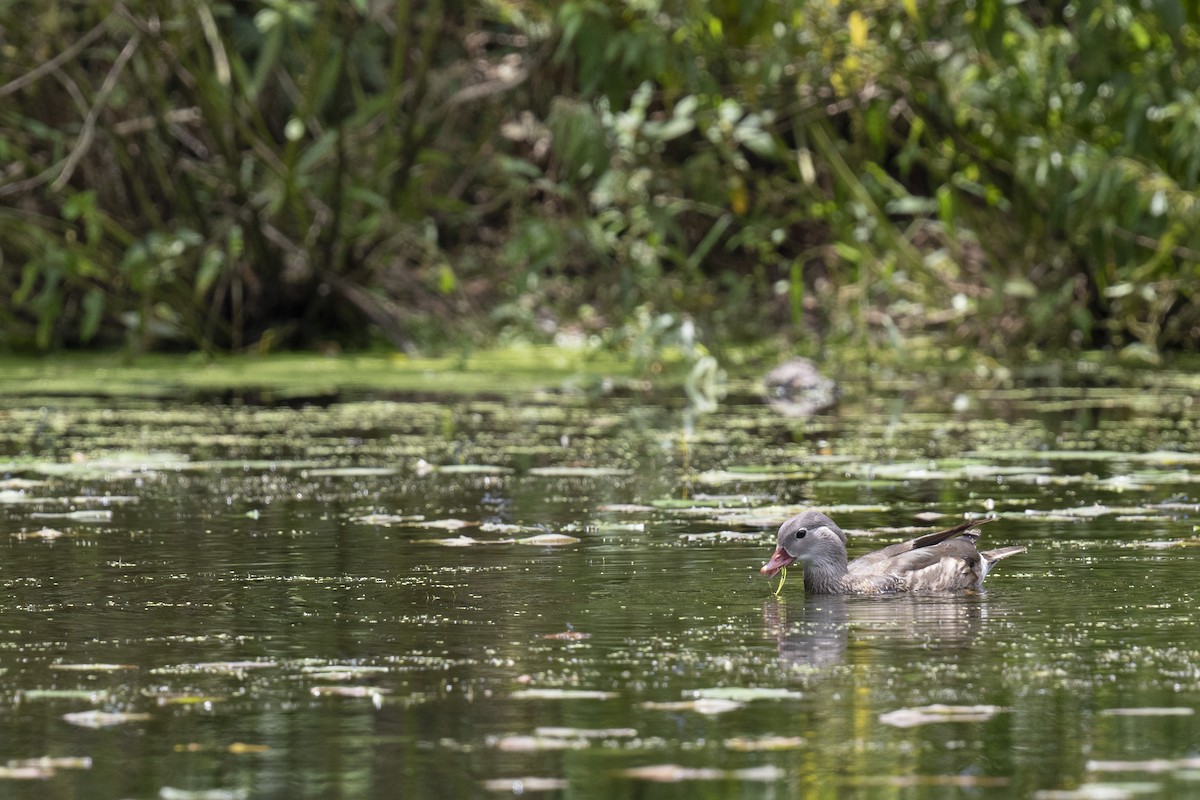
[(800, 533)]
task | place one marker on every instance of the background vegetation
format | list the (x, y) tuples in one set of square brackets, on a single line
[(300, 173)]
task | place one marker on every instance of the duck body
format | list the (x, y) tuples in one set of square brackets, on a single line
[(944, 561)]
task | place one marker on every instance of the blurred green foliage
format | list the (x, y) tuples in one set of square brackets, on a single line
[(298, 173)]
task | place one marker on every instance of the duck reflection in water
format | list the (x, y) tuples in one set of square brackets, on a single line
[(815, 631)]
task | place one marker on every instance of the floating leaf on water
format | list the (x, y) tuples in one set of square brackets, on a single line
[(386, 519), (1083, 512), (132, 458), (699, 503), (533, 744), (446, 524), (1149, 765), (549, 539), (47, 534), (106, 499), (579, 472), (1099, 791), (674, 773), (571, 636), (76, 516), (242, 748), (9, 497), (500, 527), (85, 695), (219, 667), (471, 469), (349, 472), (604, 525), (766, 743), (460, 541), (1166, 457), (926, 715), (102, 719), (34, 773), (766, 773), (348, 691), (719, 536), (562, 694), (21, 483), (52, 762), (520, 786), (1165, 544), (93, 667), (717, 477), (172, 793), (907, 781), (744, 694), (181, 699), (586, 733), (700, 706), (336, 671), (1149, 711)]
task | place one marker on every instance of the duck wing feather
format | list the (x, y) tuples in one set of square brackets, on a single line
[(872, 562)]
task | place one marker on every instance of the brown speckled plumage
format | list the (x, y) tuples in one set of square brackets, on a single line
[(936, 562)]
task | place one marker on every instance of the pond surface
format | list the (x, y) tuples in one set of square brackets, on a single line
[(554, 595)]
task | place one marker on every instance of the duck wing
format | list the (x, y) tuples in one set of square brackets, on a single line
[(947, 566), (951, 565), (874, 562)]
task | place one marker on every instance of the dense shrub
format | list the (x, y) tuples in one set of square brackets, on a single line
[(295, 172)]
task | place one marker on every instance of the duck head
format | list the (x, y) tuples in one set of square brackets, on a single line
[(801, 538)]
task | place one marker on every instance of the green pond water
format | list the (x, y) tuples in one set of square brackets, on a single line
[(554, 592)]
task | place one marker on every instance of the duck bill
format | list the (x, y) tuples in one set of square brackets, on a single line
[(778, 561)]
